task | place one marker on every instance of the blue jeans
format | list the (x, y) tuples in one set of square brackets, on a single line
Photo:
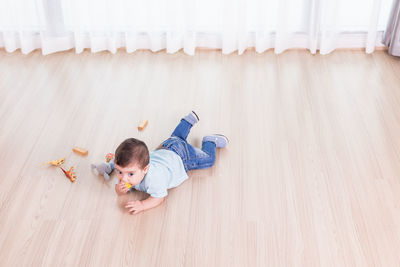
[(192, 157)]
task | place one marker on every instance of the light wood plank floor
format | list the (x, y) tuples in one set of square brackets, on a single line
[(311, 176)]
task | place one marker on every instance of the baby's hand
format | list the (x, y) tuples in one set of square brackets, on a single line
[(121, 188), (135, 206)]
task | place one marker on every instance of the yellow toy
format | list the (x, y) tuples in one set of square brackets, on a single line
[(57, 162), (128, 185)]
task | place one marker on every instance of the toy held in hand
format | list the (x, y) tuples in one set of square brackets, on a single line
[(127, 185)]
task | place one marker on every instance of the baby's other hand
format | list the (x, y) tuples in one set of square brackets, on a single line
[(135, 206), (121, 188)]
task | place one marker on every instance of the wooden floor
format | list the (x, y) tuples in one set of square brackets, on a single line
[(311, 176)]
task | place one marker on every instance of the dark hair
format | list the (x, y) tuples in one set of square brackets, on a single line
[(132, 151)]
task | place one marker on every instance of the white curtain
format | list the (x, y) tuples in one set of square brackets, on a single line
[(231, 25)]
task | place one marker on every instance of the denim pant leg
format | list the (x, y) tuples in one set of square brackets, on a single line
[(182, 130), (201, 159), (192, 157)]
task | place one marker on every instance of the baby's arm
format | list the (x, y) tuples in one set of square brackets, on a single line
[(141, 205)]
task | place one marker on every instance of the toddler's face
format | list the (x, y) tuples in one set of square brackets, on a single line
[(131, 174)]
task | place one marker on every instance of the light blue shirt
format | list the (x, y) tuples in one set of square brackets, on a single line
[(166, 171)]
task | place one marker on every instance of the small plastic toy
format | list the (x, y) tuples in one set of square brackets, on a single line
[(57, 162), (128, 185), (81, 151), (70, 173), (143, 125), (109, 157)]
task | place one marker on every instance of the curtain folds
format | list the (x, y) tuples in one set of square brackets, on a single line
[(230, 25), (392, 33)]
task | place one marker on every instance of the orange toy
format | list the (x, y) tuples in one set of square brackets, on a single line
[(81, 151), (142, 125), (70, 173)]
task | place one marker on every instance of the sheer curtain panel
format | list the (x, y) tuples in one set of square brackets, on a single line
[(234, 25)]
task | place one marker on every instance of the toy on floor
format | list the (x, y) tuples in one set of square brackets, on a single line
[(143, 125), (70, 173), (103, 169), (109, 157), (57, 162), (81, 151)]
